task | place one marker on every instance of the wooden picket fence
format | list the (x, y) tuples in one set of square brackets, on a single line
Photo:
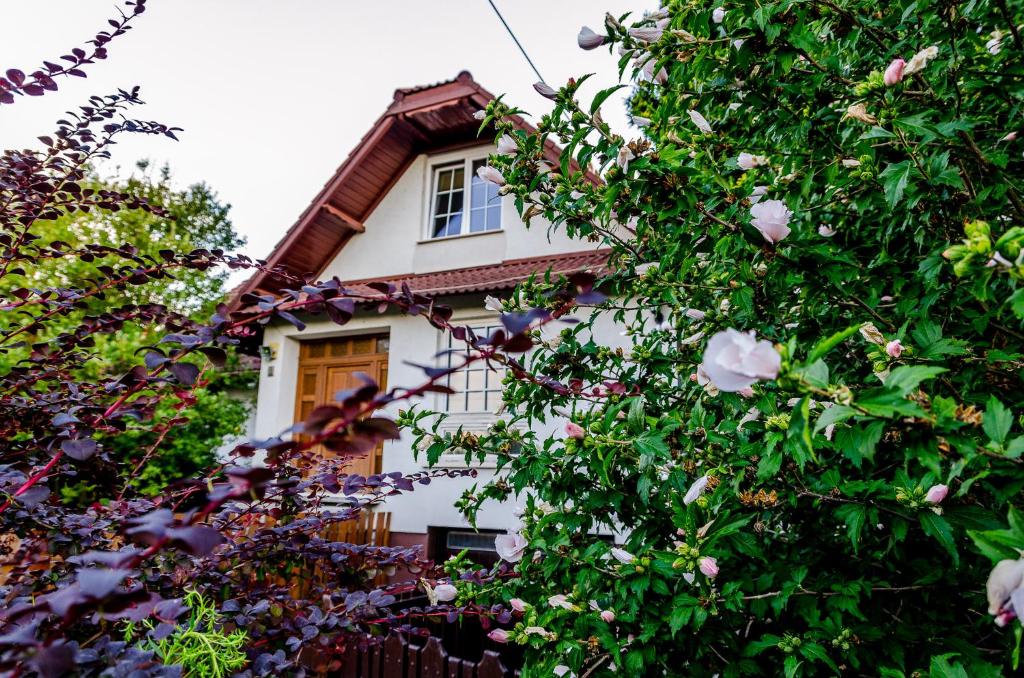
[(369, 527), (398, 658)]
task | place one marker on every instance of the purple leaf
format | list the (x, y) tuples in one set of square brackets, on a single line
[(79, 449)]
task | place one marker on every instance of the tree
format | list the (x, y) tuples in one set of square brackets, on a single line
[(187, 219), (813, 447)]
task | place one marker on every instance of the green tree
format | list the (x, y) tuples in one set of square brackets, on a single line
[(192, 218)]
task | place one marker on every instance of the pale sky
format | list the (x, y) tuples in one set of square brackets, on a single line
[(273, 94)]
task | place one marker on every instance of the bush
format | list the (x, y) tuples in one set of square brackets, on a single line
[(826, 494)]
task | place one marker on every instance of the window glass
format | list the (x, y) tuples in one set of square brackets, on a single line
[(485, 203), (477, 387), (448, 198), (448, 206)]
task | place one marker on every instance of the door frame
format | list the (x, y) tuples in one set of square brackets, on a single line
[(321, 364)]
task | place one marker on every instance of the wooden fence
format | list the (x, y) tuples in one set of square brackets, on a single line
[(397, 658)]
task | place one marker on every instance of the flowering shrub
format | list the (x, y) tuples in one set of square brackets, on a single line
[(811, 453)]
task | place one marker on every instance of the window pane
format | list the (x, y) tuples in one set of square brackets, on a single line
[(455, 224), (477, 220), (476, 402), (441, 204), (476, 380), (493, 217), (458, 178), (444, 182), (479, 193), (456, 203), (478, 389), (439, 226)]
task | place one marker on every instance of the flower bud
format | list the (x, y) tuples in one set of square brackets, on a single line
[(936, 493), (894, 73), (488, 173), (588, 39), (708, 567), (545, 90)]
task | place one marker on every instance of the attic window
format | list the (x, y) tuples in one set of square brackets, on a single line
[(448, 207)]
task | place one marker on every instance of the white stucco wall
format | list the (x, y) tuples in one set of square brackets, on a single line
[(396, 239)]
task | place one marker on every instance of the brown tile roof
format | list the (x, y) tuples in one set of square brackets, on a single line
[(425, 119), (491, 277)]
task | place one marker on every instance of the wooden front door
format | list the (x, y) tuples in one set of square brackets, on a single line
[(327, 366)]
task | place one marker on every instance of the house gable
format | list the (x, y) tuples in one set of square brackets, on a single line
[(421, 122)]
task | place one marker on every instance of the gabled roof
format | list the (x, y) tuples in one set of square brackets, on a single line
[(425, 119)]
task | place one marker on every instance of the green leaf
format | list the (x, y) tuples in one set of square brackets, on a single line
[(636, 415), (817, 653), (877, 133), (854, 515), (997, 421), (815, 374), (826, 345), (798, 436), (941, 668), (834, 415), (936, 526), (770, 463), (791, 665), (602, 96), (894, 181), (905, 379), (1016, 302)]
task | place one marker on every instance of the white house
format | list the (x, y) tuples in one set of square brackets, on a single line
[(406, 206)]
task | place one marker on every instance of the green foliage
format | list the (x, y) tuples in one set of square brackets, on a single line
[(201, 420), (199, 645), (195, 218), (894, 303)]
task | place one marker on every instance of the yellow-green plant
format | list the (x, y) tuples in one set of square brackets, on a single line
[(200, 645)]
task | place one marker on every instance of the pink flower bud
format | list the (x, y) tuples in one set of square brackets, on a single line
[(894, 348), (517, 604), (608, 616), (708, 566), (894, 73), (574, 430), (1012, 136), (445, 592), (545, 90), (498, 635), (488, 173), (588, 39), (507, 145), (936, 493)]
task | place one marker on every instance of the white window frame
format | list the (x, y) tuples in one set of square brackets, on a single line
[(471, 422), (453, 348), (438, 164)]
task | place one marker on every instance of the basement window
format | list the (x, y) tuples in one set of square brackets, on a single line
[(463, 203)]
